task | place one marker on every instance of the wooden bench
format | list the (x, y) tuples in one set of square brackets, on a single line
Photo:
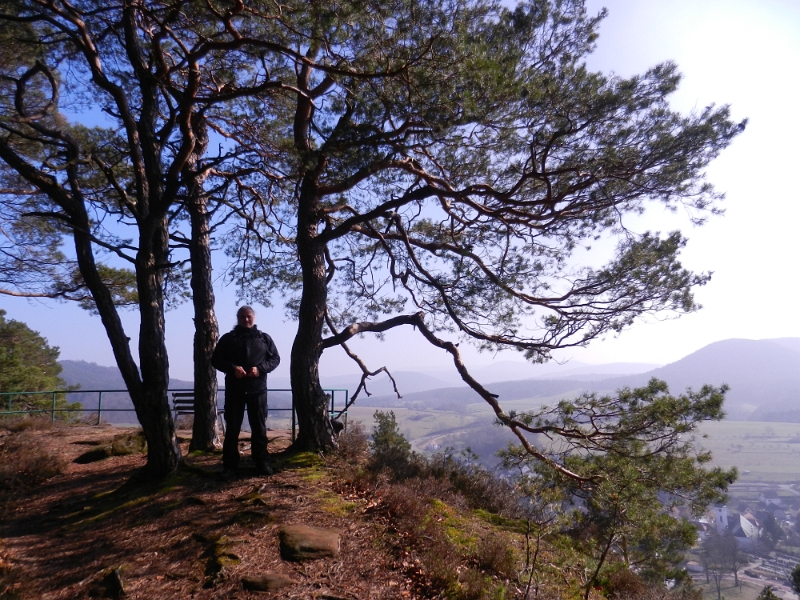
[(183, 404)]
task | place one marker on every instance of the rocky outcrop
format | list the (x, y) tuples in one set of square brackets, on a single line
[(120, 445)]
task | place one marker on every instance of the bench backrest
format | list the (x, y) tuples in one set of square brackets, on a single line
[(183, 402)]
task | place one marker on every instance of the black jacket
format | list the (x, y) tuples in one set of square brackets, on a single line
[(245, 348)]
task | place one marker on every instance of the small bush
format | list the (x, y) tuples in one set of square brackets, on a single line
[(441, 560), (27, 423), (24, 463), (478, 586), (407, 509), (496, 555), (353, 441), (478, 486), (90, 418), (391, 451), (409, 486), (624, 584)]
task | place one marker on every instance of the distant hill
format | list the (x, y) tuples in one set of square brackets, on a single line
[(508, 370), (452, 398), (91, 376), (409, 381), (116, 407), (791, 343), (764, 377)]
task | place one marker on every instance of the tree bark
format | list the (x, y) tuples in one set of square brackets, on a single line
[(147, 386), (206, 332), (148, 390), (206, 329), (153, 411), (315, 430)]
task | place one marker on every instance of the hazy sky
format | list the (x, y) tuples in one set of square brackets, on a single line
[(745, 53)]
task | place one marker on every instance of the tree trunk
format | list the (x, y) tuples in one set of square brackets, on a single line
[(155, 416), (206, 330), (148, 391), (311, 405)]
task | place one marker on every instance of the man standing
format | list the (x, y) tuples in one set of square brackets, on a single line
[(245, 355)]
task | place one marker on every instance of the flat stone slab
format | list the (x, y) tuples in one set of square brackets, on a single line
[(302, 542), (121, 445), (268, 582)]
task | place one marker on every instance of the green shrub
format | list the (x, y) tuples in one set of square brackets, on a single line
[(480, 488), (411, 487), (391, 451), (476, 487)]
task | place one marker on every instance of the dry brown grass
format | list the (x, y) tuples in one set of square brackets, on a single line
[(27, 423), (426, 506), (24, 462), (401, 540), (59, 537)]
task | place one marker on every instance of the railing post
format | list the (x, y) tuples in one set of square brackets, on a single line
[(294, 422), (53, 409), (99, 405)]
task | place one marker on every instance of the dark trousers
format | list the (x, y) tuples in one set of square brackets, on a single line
[(256, 405)]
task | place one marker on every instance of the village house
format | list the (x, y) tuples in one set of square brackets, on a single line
[(770, 498)]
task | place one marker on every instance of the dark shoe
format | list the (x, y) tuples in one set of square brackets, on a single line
[(228, 474), (264, 469)]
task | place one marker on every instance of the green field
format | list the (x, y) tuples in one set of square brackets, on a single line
[(763, 452)]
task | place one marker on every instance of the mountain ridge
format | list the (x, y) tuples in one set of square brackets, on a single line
[(763, 375)]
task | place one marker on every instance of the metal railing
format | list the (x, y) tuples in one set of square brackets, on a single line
[(7, 400)]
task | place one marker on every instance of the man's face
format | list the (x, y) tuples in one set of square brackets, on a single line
[(246, 318)]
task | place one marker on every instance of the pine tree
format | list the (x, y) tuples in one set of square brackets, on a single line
[(28, 364)]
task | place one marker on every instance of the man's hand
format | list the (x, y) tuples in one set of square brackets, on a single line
[(253, 372), (239, 373)]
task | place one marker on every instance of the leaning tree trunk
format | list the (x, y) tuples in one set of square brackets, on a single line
[(206, 329), (315, 430), (148, 391)]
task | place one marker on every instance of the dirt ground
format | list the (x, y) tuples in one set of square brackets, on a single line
[(63, 538)]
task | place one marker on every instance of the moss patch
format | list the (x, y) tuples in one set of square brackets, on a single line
[(300, 460), (335, 504), (512, 525)]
